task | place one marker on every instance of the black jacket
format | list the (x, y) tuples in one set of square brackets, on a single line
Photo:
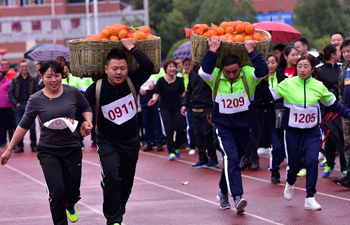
[(199, 93), (329, 76)]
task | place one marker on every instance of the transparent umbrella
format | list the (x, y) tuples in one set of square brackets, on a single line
[(49, 52)]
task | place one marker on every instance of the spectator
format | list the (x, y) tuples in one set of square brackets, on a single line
[(277, 50), (22, 86), (289, 58), (6, 68), (301, 44)]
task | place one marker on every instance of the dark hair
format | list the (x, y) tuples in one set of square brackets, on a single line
[(61, 57), (187, 59), (4, 60), (229, 60), (302, 40), (345, 43), (271, 55), (53, 64), (327, 52), (117, 54), (279, 47), (283, 62), (309, 58), (342, 35), (167, 63), (22, 61)]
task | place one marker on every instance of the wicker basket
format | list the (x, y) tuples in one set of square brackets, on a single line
[(200, 46), (87, 58)]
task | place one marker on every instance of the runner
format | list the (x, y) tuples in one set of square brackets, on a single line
[(117, 139), (301, 118), (59, 150), (232, 93)]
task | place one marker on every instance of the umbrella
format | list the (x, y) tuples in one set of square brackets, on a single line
[(49, 52), (32, 49), (280, 32), (184, 51)]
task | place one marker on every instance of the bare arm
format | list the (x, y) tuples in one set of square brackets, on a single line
[(153, 100), (17, 137)]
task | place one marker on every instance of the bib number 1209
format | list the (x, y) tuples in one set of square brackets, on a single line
[(119, 111), (304, 118), (232, 103)]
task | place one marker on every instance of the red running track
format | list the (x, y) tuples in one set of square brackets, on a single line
[(159, 196)]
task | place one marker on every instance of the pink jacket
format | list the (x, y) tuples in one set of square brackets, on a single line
[(4, 96)]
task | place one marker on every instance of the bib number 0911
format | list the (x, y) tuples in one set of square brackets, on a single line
[(304, 118), (233, 103), (118, 111)]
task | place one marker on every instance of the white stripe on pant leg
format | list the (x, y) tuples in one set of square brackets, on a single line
[(271, 158), (99, 159), (286, 152), (187, 130), (225, 163), (161, 123)]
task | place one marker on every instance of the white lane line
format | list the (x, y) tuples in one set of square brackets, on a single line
[(189, 195), (43, 184), (250, 177)]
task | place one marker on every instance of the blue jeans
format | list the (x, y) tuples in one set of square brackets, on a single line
[(18, 116)]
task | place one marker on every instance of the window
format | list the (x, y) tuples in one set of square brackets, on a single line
[(82, 1)]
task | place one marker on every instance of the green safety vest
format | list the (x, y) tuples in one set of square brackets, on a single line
[(225, 86), (80, 83), (296, 91)]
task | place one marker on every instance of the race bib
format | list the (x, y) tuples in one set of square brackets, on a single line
[(302, 117), (61, 123), (232, 103), (120, 110)]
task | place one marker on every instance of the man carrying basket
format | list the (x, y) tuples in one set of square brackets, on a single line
[(115, 98), (233, 88)]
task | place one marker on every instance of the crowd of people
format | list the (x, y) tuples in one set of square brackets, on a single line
[(234, 109)]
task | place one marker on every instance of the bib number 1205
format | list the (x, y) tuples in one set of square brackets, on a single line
[(304, 118), (232, 103), (119, 111)]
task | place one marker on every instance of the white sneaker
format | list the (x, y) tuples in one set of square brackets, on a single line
[(263, 151), (192, 152), (288, 191), (310, 203)]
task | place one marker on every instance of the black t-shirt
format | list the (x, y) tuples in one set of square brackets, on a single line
[(170, 94), (109, 93)]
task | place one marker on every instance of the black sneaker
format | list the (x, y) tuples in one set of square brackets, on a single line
[(255, 165), (275, 178), (200, 164), (34, 149), (148, 148), (223, 198), (159, 147), (344, 181), (213, 163), (245, 163), (240, 204)]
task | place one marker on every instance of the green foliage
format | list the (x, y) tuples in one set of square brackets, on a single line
[(213, 11), (322, 42), (189, 8), (175, 46), (172, 29), (322, 17), (136, 22), (306, 34)]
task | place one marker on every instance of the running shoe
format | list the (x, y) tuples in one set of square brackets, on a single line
[(288, 191), (192, 152), (171, 156), (177, 152), (302, 172), (93, 147), (344, 173), (275, 178), (240, 204), (72, 214), (344, 181), (312, 204), (200, 164), (213, 163), (323, 162), (327, 171), (223, 198)]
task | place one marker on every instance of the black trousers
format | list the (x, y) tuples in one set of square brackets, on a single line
[(62, 172), (203, 133), (7, 123), (173, 120), (118, 163)]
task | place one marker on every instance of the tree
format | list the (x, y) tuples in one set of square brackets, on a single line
[(322, 17), (189, 8), (213, 11)]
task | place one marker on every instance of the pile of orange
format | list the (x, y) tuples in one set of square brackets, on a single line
[(230, 31), (119, 31)]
